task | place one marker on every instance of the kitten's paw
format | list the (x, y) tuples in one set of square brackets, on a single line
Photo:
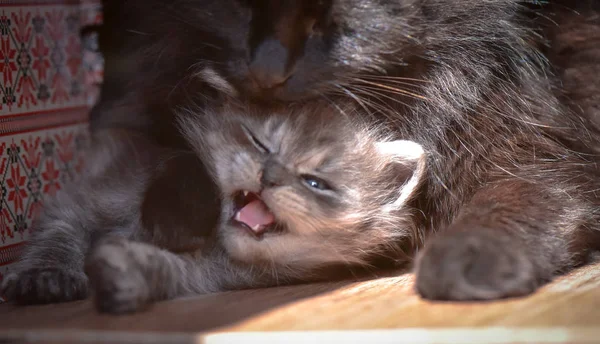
[(116, 279), (474, 265), (44, 285)]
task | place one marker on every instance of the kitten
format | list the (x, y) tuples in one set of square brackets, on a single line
[(301, 193), (509, 197)]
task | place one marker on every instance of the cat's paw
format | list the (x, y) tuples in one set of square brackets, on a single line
[(44, 285), (116, 279), (474, 265)]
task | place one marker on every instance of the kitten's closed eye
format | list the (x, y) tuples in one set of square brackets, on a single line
[(255, 141)]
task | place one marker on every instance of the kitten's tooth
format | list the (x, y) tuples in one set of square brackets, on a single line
[(246, 193), (237, 217), (256, 228)]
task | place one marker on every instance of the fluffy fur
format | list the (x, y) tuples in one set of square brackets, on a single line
[(509, 196), (358, 214), (574, 55)]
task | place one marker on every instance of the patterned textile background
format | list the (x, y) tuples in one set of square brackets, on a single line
[(49, 79)]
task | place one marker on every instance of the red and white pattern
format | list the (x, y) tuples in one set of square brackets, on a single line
[(41, 56), (49, 79)]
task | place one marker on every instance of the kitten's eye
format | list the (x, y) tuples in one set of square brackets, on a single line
[(315, 182), (259, 145)]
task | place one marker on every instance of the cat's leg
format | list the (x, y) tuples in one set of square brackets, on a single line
[(50, 268), (127, 276), (509, 239)]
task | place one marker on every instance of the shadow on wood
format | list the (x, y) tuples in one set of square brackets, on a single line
[(190, 314)]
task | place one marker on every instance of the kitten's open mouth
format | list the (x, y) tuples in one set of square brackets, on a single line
[(252, 213)]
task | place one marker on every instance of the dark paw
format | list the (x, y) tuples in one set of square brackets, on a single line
[(39, 286), (475, 265), (116, 280)]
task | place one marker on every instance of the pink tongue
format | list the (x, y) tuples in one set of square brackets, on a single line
[(255, 215)]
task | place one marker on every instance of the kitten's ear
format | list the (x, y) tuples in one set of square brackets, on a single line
[(408, 160)]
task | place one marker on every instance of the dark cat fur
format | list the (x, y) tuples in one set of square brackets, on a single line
[(575, 55), (512, 178)]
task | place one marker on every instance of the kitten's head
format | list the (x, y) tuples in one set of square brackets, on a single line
[(306, 189)]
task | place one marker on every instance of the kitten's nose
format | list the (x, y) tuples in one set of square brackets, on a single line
[(273, 174), (268, 66)]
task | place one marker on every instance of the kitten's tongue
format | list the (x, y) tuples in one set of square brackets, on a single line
[(255, 215)]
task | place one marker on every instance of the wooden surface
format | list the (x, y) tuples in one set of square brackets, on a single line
[(568, 310)]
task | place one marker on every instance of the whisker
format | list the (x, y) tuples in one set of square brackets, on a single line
[(330, 101), (394, 82), (378, 95), (400, 83), (388, 77), (398, 90), (138, 32), (356, 98), (379, 91), (380, 108)]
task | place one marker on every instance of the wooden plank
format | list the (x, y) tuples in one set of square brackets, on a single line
[(572, 300), (373, 310)]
